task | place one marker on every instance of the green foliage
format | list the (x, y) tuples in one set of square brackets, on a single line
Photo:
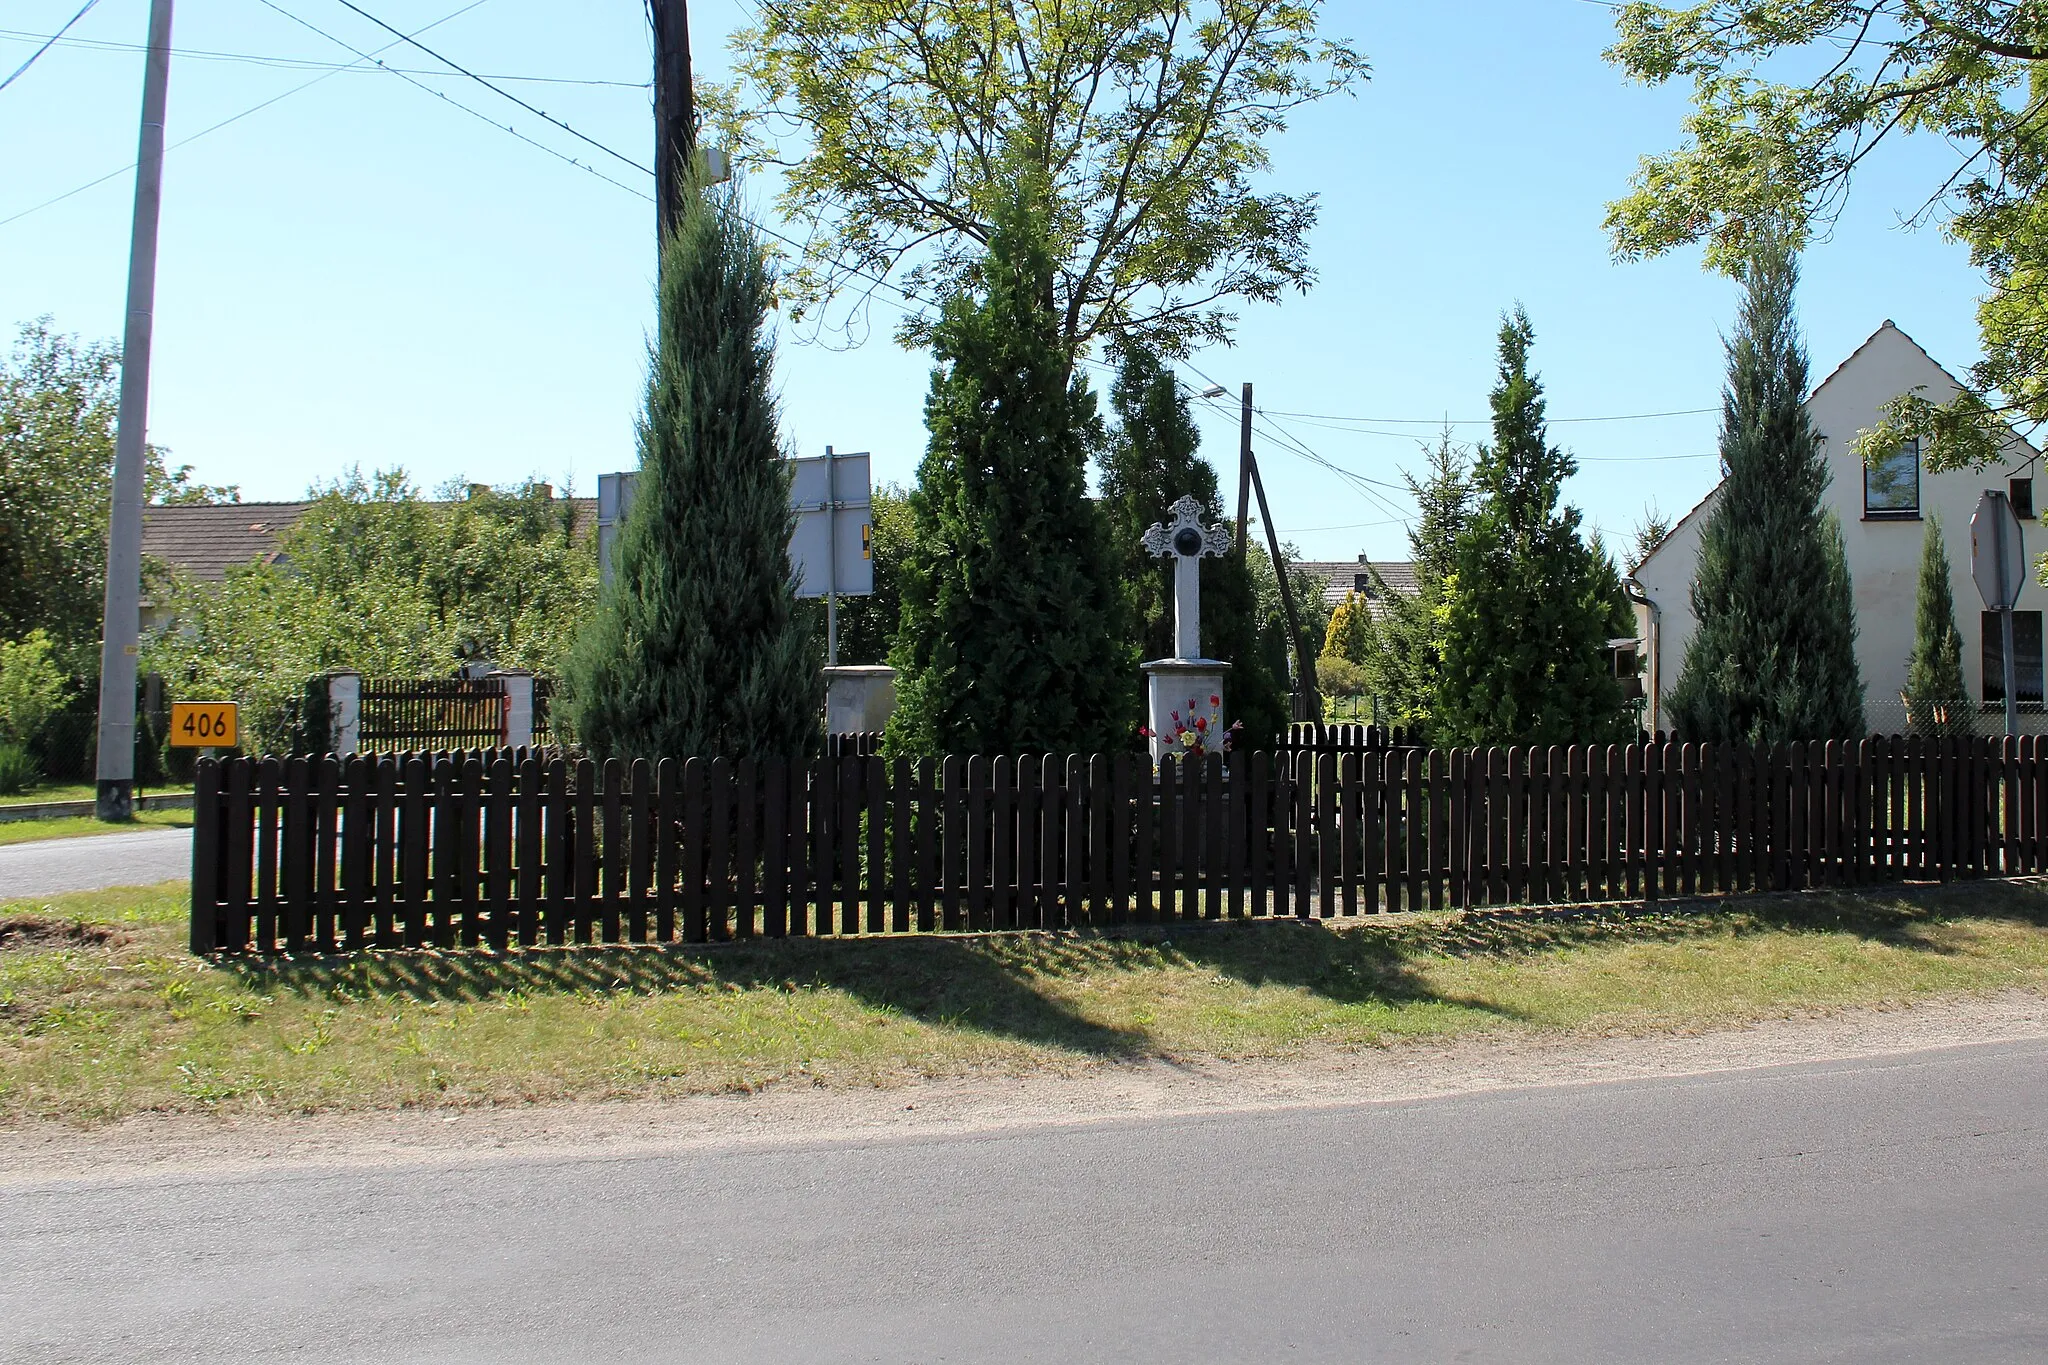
[(1147, 124), (1648, 535), (867, 625), (1151, 459), (1339, 676), (1790, 97), (697, 647), (1013, 636), (1937, 696), (376, 579), (1276, 646), (1528, 609), (19, 770), (31, 687), (1407, 666), (1773, 657), (58, 399)]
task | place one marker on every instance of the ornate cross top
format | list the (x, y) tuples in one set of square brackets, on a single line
[(1187, 540)]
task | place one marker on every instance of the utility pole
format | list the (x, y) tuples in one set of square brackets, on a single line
[(675, 110), (1244, 466), (121, 621)]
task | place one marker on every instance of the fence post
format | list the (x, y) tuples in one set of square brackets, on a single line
[(516, 726), (344, 713)]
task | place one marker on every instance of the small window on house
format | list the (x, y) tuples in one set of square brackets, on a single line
[(2026, 655), (1362, 584), (2021, 492), (1891, 486)]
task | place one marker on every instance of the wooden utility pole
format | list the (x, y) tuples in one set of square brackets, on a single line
[(1304, 662), (675, 108), (1244, 466)]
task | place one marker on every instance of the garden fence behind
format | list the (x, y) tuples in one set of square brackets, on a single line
[(501, 848)]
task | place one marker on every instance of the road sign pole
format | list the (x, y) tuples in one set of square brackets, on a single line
[(120, 620), (831, 562)]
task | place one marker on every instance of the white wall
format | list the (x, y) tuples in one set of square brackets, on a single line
[(1883, 554)]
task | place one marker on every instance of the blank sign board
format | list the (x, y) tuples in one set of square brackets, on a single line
[(829, 550), (834, 511)]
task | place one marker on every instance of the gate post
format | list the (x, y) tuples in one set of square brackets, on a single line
[(517, 723), (344, 713)]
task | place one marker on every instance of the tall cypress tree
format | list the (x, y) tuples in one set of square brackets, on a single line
[(1773, 657), (1013, 636), (697, 647), (1937, 696), (1150, 460), (1528, 610)]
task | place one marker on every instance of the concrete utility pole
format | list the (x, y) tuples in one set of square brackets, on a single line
[(675, 108), (121, 622)]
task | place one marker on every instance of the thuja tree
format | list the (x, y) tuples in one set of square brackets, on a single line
[(1013, 634), (697, 647), (1408, 658), (1773, 657), (1937, 698), (1529, 606), (1151, 459)]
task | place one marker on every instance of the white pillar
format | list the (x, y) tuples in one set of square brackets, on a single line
[(1187, 607), (518, 725), (344, 712)]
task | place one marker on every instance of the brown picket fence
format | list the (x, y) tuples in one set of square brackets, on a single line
[(513, 848)]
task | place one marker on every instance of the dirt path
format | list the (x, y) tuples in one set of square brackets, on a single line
[(155, 1145)]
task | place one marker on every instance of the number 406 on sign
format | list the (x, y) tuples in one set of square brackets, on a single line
[(203, 725)]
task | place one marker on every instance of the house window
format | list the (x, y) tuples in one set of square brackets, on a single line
[(2022, 495), (2026, 654), (1891, 486), (1362, 584)]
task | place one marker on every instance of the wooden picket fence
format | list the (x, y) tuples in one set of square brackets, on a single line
[(500, 849)]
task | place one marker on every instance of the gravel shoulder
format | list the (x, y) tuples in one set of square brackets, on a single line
[(152, 1146)]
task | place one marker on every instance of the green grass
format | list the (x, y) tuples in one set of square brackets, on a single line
[(103, 1014), (77, 791), (75, 826)]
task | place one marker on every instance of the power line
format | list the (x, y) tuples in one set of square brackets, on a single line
[(233, 118), (475, 113), (505, 94), (1480, 421), (48, 45), (290, 63)]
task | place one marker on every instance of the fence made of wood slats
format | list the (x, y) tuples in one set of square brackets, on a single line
[(501, 849)]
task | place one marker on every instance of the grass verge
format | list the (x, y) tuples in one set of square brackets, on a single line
[(78, 791), (102, 1013), (78, 826)]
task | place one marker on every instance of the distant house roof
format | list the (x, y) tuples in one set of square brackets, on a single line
[(204, 542), (1344, 576)]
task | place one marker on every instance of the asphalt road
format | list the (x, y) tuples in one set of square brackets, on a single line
[(1886, 1210), (96, 860)]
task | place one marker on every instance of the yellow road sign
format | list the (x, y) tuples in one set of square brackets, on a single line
[(203, 725)]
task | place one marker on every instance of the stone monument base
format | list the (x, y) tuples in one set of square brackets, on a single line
[(1170, 684), (858, 698)]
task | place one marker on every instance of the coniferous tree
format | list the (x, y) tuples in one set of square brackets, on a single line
[(1937, 696), (1151, 459), (1405, 667), (1773, 656), (1527, 610), (697, 647), (1013, 637)]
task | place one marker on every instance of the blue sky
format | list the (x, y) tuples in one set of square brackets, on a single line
[(362, 273)]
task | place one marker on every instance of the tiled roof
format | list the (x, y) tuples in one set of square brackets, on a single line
[(1342, 576), (205, 541)]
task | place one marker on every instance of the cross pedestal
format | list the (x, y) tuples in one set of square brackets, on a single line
[(1187, 687)]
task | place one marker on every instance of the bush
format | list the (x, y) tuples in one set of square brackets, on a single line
[(1337, 676), (18, 770), (31, 687)]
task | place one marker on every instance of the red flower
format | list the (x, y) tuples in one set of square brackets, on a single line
[(1215, 701), (1201, 722)]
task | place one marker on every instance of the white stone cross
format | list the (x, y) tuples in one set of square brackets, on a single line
[(1187, 540)]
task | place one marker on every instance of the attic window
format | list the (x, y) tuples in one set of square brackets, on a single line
[(2022, 495), (1362, 584), (1891, 486)]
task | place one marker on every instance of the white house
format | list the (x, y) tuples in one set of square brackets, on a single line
[(1884, 512)]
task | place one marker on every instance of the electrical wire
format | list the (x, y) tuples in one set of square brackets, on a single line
[(16, 74), (473, 112), (290, 63), (233, 118), (1480, 421), (504, 94)]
